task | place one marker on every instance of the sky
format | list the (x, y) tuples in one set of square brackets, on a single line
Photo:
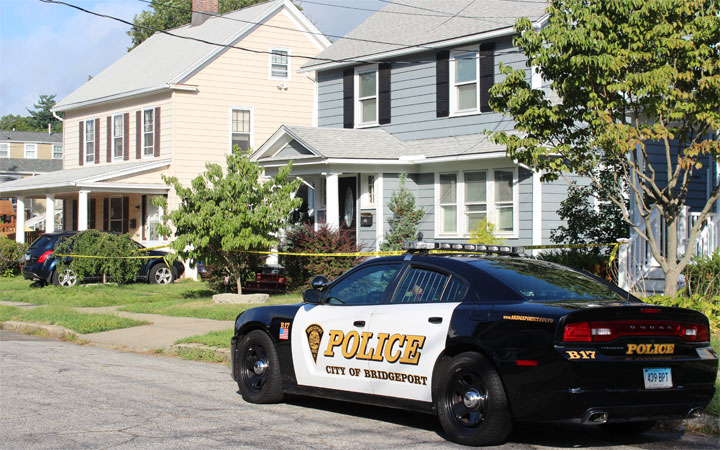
[(52, 49)]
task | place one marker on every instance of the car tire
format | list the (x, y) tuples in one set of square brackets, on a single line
[(161, 274), (259, 377), (67, 278), (470, 401), (628, 428)]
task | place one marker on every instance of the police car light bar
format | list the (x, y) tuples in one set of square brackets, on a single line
[(415, 246)]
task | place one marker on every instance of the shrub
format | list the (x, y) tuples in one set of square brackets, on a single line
[(110, 251), (702, 275), (710, 306), (304, 239), (596, 264), (11, 253), (405, 219), (483, 234)]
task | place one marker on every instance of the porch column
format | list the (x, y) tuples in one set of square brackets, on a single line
[(49, 213), (332, 201), (20, 220), (83, 210)]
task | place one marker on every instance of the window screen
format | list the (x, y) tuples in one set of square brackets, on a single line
[(421, 285)]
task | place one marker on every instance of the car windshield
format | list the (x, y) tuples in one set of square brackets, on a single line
[(42, 242), (544, 281)]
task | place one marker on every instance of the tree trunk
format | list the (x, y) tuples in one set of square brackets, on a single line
[(672, 272), (671, 280), (239, 286)]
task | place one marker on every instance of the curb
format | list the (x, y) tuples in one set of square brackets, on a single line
[(54, 331), (222, 354)]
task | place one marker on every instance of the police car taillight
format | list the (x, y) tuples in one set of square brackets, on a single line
[(605, 331), (44, 256)]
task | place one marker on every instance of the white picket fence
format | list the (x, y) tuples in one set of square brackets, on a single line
[(638, 271)]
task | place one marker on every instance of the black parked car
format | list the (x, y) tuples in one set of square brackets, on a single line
[(481, 338), (40, 264)]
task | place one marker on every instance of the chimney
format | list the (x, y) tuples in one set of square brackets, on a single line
[(202, 10), (49, 128)]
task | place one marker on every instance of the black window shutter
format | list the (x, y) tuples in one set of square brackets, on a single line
[(106, 214), (487, 74), (109, 139), (384, 97), (92, 204), (138, 131), (348, 98), (81, 141), (75, 215), (143, 217), (126, 214), (442, 83)]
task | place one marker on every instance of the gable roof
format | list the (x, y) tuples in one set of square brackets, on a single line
[(410, 28), (162, 60), (371, 144), (30, 136)]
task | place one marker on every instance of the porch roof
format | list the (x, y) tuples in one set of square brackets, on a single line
[(368, 144), (25, 166), (86, 176)]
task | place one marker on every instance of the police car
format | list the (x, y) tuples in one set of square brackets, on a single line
[(481, 338)]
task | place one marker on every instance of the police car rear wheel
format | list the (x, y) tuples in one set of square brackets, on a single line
[(471, 403), (259, 380)]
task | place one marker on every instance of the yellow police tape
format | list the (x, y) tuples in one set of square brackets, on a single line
[(70, 255)]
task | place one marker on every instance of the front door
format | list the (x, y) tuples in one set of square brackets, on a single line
[(347, 194)]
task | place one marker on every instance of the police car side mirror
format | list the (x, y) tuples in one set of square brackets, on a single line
[(320, 283), (312, 296)]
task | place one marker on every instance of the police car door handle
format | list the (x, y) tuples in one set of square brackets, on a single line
[(435, 320), (359, 323)]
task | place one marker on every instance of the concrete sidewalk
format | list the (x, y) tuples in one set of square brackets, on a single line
[(161, 333)]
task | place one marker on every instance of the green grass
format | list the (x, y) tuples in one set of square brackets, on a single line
[(200, 354), (219, 339), (95, 295), (205, 309), (82, 323)]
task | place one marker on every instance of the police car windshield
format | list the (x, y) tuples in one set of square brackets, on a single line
[(544, 281)]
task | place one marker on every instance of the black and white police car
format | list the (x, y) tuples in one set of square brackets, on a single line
[(481, 338)]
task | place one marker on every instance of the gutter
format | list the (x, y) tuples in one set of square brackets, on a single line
[(169, 87)]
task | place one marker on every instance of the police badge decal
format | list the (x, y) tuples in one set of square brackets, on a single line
[(314, 335)]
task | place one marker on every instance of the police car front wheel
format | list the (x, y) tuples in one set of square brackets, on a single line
[(259, 379), (471, 401)]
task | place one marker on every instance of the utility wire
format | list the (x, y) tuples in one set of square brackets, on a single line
[(266, 52)]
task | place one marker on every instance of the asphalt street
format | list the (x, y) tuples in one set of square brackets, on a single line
[(58, 395)]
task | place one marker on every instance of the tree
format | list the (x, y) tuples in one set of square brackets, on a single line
[(42, 114), (223, 215), (16, 122), (628, 74), (112, 252), (405, 218), (168, 14)]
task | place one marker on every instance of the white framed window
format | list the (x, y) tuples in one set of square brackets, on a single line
[(241, 128), (31, 151), (465, 79), (279, 64), (90, 141), (5, 150), (148, 140), (448, 203), (464, 198), (57, 151), (367, 186), (366, 96), (118, 137)]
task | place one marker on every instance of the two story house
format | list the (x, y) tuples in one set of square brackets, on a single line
[(175, 102), (407, 90)]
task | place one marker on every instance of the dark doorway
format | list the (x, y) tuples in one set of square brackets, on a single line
[(347, 196)]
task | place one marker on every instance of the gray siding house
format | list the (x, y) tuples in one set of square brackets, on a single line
[(407, 90)]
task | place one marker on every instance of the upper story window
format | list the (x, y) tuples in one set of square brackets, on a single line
[(118, 136), (489, 195), (241, 131), (31, 151), (464, 78), (366, 105), (279, 64), (148, 133), (465, 82), (57, 151), (4, 150), (90, 141)]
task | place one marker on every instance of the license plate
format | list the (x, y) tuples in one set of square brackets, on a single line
[(657, 378)]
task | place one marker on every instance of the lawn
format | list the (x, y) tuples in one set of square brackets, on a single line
[(93, 295), (219, 339), (82, 323)]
